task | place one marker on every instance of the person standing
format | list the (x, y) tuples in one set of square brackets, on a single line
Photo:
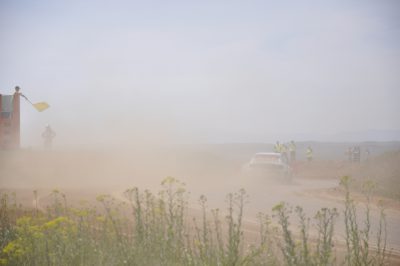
[(367, 153), (292, 149), (48, 135), (284, 153), (277, 147), (356, 154), (309, 154)]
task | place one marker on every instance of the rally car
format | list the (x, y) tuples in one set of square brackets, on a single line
[(270, 165)]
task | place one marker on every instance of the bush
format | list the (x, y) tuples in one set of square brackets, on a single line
[(149, 229)]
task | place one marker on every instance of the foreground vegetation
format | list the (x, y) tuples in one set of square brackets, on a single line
[(160, 229)]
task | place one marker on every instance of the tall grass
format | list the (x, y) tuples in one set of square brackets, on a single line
[(300, 250), (358, 236), (161, 229)]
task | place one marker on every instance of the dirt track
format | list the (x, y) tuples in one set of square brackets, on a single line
[(82, 176)]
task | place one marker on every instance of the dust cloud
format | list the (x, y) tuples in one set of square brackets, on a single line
[(213, 170), (141, 92)]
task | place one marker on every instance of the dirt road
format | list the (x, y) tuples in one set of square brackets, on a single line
[(82, 176)]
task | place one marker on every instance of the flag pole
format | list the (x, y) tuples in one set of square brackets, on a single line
[(26, 98)]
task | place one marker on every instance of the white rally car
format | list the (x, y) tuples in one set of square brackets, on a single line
[(270, 164)]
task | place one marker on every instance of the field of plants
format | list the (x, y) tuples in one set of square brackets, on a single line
[(159, 229)]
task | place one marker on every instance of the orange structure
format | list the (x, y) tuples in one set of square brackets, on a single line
[(10, 120)]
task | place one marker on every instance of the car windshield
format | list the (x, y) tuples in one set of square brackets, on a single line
[(266, 158)]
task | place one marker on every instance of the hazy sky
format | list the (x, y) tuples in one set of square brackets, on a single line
[(202, 71)]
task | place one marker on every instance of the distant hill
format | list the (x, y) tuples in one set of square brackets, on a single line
[(367, 135)]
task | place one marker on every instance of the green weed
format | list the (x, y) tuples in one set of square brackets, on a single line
[(160, 229)]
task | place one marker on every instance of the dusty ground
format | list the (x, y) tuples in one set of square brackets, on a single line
[(83, 175)]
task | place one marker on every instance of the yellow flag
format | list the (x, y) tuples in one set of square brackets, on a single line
[(41, 106)]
